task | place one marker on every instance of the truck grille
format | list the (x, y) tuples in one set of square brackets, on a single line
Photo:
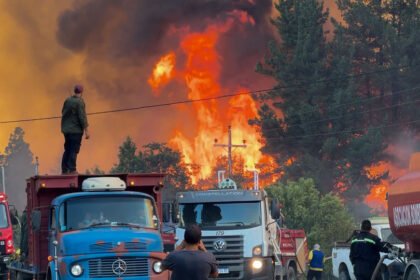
[(110, 246), (231, 257), (108, 267)]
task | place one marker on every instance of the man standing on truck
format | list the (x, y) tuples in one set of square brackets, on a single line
[(364, 251), (73, 124), (190, 260), (316, 263)]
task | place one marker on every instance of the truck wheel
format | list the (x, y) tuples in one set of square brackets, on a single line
[(291, 273), (343, 275), (384, 273), (23, 276), (413, 274), (12, 275)]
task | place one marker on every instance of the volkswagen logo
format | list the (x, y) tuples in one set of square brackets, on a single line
[(119, 267), (219, 245)]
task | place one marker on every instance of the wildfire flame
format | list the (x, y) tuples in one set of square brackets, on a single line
[(201, 75), (163, 71), (377, 196)]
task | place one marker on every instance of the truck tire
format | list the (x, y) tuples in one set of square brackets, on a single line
[(291, 273), (23, 276), (384, 273), (413, 274), (343, 275), (12, 275)]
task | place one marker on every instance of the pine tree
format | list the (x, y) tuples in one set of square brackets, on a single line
[(314, 126), (157, 158), (18, 167), (128, 161)]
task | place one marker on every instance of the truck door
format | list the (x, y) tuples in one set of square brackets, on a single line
[(272, 227), (52, 231)]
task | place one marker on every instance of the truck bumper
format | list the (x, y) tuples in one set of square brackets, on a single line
[(266, 272), (249, 271), (104, 267)]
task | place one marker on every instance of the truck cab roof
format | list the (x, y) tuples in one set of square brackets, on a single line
[(60, 199), (220, 196)]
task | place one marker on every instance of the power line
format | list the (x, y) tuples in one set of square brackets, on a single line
[(353, 113), (144, 106), (214, 97), (343, 132)]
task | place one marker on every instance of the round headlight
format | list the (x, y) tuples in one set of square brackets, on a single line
[(157, 267), (257, 264), (76, 270), (257, 251)]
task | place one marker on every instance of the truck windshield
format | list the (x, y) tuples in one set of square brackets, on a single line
[(97, 211), (388, 236), (221, 215), (4, 223)]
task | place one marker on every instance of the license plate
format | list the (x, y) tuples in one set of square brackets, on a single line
[(223, 270)]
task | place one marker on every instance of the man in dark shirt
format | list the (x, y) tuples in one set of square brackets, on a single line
[(73, 124), (364, 252), (190, 260)]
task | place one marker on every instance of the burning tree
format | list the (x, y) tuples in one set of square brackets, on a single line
[(319, 133), (339, 103)]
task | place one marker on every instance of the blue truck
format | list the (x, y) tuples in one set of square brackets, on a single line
[(91, 227)]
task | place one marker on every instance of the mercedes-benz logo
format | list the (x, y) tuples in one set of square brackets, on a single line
[(219, 244), (119, 267)]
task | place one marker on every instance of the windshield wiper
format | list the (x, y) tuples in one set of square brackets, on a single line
[(95, 225), (126, 225), (236, 224), (99, 224)]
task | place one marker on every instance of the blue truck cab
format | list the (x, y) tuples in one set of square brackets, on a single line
[(95, 228)]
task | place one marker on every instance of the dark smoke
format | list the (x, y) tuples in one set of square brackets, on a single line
[(134, 33), (121, 29)]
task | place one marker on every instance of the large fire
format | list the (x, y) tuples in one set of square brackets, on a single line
[(377, 196), (201, 75)]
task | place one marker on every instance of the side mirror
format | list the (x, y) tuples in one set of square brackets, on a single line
[(36, 220), (275, 209), (166, 212), (14, 217), (175, 210)]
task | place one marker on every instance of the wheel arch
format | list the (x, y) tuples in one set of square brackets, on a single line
[(343, 267), (414, 265)]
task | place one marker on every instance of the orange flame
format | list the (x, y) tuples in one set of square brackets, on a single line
[(163, 71), (377, 196), (201, 75)]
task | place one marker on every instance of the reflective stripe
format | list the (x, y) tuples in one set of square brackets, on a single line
[(311, 255), (363, 240), (315, 268)]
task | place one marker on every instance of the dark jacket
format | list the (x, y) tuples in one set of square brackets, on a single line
[(365, 247), (73, 116)]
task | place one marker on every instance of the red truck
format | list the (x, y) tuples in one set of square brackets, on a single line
[(87, 227), (404, 217), (6, 235)]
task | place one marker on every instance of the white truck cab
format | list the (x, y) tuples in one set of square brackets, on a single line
[(236, 227)]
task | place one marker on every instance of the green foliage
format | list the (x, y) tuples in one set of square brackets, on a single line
[(324, 217), (95, 171), (158, 158)]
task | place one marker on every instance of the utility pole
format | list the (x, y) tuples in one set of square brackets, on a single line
[(3, 178), (229, 147)]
